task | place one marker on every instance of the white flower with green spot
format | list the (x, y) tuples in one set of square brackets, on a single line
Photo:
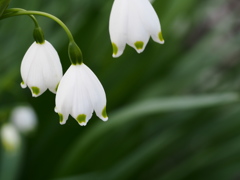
[(41, 68), (79, 94), (132, 22)]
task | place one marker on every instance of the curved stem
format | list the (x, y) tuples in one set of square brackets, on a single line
[(18, 12), (11, 11)]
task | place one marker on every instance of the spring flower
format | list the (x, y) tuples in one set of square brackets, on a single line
[(10, 137), (24, 119), (41, 68), (79, 94), (132, 22)]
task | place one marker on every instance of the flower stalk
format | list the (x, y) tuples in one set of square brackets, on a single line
[(74, 51), (18, 12)]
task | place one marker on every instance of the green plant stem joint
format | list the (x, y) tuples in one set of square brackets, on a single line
[(74, 51), (3, 6), (38, 35), (75, 54)]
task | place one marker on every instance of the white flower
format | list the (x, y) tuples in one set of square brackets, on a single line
[(24, 119), (41, 68), (132, 22), (79, 93), (10, 137)]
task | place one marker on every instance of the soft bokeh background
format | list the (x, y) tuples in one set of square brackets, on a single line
[(174, 110)]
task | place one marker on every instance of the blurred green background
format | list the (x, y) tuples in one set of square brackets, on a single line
[(174, 110)]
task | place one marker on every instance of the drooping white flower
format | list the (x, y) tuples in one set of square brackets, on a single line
[(10, 137), (24, 119), (41, 68), (79, 94), (132, 22)]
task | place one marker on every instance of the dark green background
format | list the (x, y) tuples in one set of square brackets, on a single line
[(174, 111)]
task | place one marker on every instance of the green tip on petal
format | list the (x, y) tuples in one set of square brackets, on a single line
[(23, 85), (35, 90), (139, 45), (115, 48), (81, 118), (56, 88), (160, 36), (104, 113), (60, 118)]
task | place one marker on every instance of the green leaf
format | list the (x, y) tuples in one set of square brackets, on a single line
[(3, 6)]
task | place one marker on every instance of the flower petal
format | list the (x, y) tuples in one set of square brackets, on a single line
[(150, 20), (52, 73), (64, 95), (34, 78), (137, 35), (118, 26), (28, 61), (82, 106), (96, 92)]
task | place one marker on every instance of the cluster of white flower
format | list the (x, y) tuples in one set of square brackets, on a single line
[(132, 22), (78, 91)]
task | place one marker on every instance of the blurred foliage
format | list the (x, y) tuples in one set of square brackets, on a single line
[(174, 110)]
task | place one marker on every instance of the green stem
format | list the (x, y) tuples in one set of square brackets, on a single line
[(18, 12), (10, 12), (74, 52)]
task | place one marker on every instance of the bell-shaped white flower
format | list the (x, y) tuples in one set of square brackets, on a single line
[(41, 68), (79, 94), (10, 137), (132, 22), (24, 119)]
